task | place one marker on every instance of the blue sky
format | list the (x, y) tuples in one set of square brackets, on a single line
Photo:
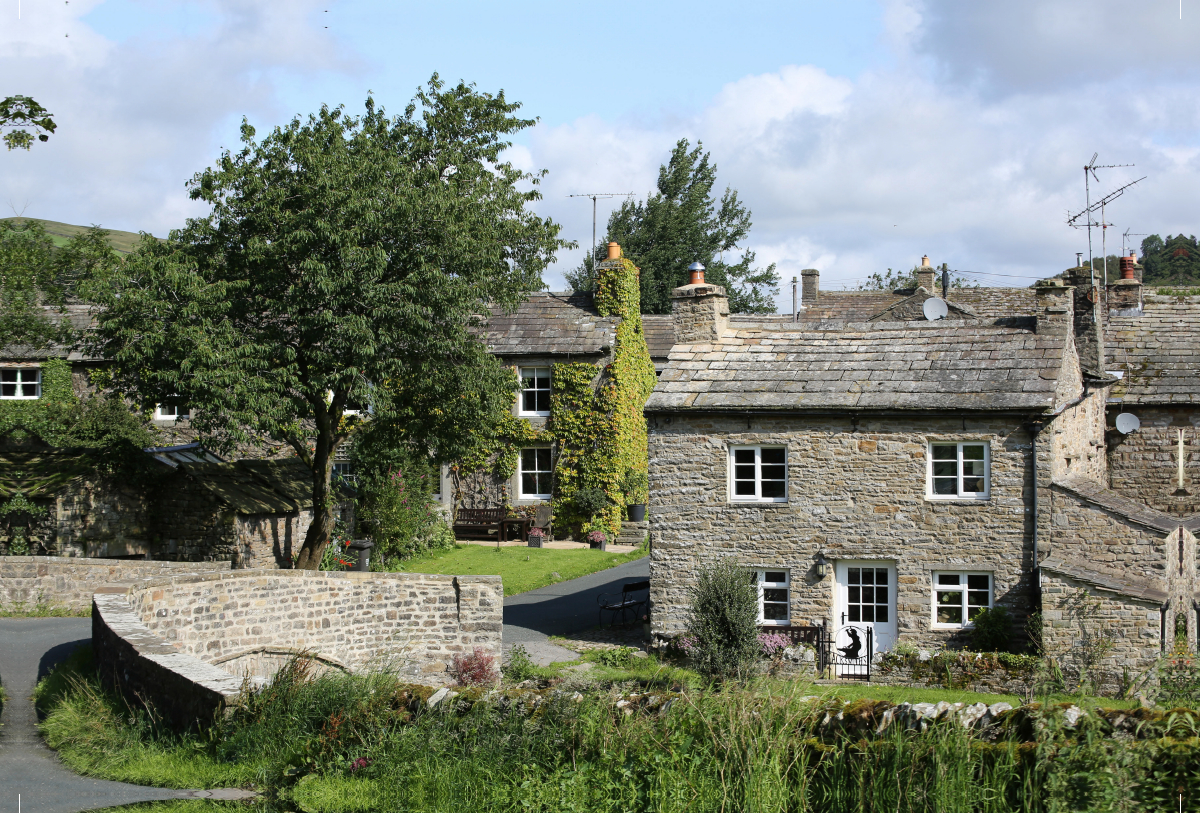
[(861, 133)]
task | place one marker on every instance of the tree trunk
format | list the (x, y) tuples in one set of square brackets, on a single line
[(321, 529)]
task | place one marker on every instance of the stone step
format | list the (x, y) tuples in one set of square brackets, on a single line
[(627, 526)]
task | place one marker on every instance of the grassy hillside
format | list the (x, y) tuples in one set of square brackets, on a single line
[(122, 241)]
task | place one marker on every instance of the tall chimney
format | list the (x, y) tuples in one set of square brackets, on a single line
[(1125, 294), (1055, 306), (810, 292), (925, 274), (699, 310)]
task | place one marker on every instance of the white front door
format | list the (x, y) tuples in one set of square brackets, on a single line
[(865, 598)]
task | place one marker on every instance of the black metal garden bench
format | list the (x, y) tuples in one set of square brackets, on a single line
[(624, 602)]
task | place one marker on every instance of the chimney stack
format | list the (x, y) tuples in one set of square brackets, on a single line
[(925, 274), (1055, 306), (1125, 294), (810, 292), (699, 310)]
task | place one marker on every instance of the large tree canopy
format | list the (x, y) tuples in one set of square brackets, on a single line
[(1174, 261), (343, 265), (38, 278), (683, 223)]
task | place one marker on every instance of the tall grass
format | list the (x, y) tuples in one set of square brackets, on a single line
[(370, 743)]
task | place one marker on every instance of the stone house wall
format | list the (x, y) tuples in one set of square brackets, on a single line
[(857, 490), (1144, 465), (270, 540), (101, 518)]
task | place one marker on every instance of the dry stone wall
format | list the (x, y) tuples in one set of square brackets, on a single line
[(857, 491), (27, 582)]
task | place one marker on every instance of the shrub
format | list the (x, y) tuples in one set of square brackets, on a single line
[(617, 658), (590, 501), (993, 630), (635, 485), (476, 669), (773, 643), (724, 620), (402, 516), (520, 665), (904, 649)]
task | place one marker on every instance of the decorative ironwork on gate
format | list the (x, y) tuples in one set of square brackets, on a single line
[(848, 651)]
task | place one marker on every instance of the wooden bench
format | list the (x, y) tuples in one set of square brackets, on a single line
[(480, 523), (623, 602)]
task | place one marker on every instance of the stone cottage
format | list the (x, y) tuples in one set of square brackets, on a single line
[(890, 463)]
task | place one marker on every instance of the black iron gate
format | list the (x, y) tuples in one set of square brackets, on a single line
[(847, 652)]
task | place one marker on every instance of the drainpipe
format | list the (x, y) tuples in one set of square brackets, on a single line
[(1035, 428)]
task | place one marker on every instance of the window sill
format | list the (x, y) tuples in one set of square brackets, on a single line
[(532, 498), (952, 627), (774, 623), (757, 504), (948, 498), (533, 414)]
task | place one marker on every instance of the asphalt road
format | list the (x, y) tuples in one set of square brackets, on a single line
[(561, 609)]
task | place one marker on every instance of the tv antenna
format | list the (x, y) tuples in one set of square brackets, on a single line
[(596, 196), (1089, 174), (1127, 235)]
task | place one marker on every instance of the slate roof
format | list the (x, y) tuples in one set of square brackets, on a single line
[(550, 323), (1082, 571), (80, 317), (1158, 351), (968, 364), (859, 306), (257, 486), (660, 334)]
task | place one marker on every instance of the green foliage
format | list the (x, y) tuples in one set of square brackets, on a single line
[(344, 262), (635, 486), (992, 630), (401, 515), (590, 501), (896, 280), (724, 620), (1173, 261), (683, 223), (520, 666), (370, 743), (19, 112), (38, 279), (619, 657)]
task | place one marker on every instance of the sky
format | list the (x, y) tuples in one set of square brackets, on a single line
[(862, 134)]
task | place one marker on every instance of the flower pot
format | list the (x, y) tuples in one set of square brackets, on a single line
[(637, 512)]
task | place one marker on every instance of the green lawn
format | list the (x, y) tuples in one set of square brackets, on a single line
[(522, 569)]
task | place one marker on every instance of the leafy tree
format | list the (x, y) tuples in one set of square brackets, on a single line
[(894, 280), (343, 265), (723, 624), (20, 112), (1173, 261), (37, 280), (683, 223)]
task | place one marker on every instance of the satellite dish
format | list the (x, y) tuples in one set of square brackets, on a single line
[(935, 309), (1127, 422)]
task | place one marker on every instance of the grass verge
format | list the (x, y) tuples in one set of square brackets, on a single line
[(522, 569)]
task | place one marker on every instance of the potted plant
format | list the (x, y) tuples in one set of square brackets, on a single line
[(598, 539), (636, 487), (537, 537)]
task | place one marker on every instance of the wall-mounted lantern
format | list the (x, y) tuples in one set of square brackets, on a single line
[(822, 566)]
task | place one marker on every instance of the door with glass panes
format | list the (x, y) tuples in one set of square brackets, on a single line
[(865, 598)]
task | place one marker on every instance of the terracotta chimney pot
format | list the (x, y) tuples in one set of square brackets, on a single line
[(614, 251), (1127, 271), (925, 261), (697, 274)]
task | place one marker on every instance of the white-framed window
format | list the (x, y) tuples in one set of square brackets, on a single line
[(535, 391), (21, 383), (758, 474), (171, 412), (958, 597), (774, 588), (536, 473), (959, 470), (344, 470)]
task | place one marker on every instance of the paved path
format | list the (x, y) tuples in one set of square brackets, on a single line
[(29, 648), (561, 609)]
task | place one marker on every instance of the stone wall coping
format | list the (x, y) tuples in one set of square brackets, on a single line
[(312, 574), (1123, 506), (96, 562), (1103, 581), (116, 614)]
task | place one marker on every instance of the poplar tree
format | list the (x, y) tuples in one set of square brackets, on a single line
[(343, 267)]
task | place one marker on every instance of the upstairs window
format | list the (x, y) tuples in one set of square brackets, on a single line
[(959, 470), (959, 597), (536, 473), (535, 391), (759, 474), (22, 384), (773, 588), (171, 412)]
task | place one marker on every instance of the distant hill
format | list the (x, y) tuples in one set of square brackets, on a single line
[(121, 241)]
